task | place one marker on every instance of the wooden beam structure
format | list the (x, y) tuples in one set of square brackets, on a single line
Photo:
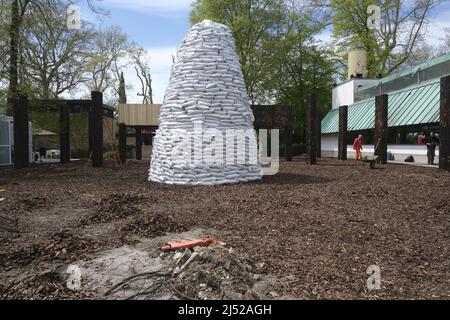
[(312, 129), (276, 117), (76, 106), (21, 133), (95, 107), (343, 129), (381, 127), (64, 134), (96, 129), (444, 131)]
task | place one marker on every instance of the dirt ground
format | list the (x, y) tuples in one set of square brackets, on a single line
[(313, 230)]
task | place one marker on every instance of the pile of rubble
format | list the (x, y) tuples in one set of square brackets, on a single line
[(204, 273), (211, 273)]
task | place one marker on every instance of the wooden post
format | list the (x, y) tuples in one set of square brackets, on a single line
[(342, 138), (288, 143), (96, 128), (319, 137), (444, 131), (312, 134), (381, 127), (64, 134), (138, 143), (21, 132), (122, 142)]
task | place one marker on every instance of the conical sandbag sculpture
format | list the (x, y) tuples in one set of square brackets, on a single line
[(206, 134)]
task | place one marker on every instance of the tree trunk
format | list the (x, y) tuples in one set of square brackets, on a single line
[(14, 34)]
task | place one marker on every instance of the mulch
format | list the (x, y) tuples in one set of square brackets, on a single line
[(317, 229)]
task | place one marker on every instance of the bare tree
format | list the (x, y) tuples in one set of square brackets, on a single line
[(18, 9), (444, 48), (140, 60), (110, 47), (53, 56)]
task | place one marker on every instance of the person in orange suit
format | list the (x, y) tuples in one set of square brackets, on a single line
[(357, 146)]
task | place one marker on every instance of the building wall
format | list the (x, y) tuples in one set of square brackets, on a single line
[(7, 143), (400, 152), (330, 145), (343, 94), (139, 114)]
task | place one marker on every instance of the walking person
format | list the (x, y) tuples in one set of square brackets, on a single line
[(357, 146), (431, 142)]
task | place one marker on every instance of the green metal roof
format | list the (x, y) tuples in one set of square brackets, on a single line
[(410, 72), (419, 105)]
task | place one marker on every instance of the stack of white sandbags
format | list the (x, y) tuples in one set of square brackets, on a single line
[(206, 134)]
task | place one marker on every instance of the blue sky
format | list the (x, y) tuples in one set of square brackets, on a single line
[(149, 22), (157, 25), (160, 25)]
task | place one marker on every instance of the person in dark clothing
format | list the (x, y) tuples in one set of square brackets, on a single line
[(42, 152), (431, 142)]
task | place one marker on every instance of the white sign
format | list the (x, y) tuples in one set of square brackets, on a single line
[(374, 281), (374, 20), (73, 21)]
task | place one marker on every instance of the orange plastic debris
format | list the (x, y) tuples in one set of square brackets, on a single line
[(189, 244)]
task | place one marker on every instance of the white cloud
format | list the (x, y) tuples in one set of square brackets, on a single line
[(436, 30), (154, 5)]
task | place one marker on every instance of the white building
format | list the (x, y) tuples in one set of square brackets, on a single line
[(7, 141), (414, 104)]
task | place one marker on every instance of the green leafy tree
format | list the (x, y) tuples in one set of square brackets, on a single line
[(281, 59), (402, 24), (255, 25), (303, 66)]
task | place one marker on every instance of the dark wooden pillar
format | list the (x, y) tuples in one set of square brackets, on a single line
[(64, 134), (312, 133), (319, 137), (138, 143), (444, 131), (123, 142), (381, 127), (96, 129), (288, 143), (21, 133), (342, 138)]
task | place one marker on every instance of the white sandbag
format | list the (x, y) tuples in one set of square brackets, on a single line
[(206, 89)]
